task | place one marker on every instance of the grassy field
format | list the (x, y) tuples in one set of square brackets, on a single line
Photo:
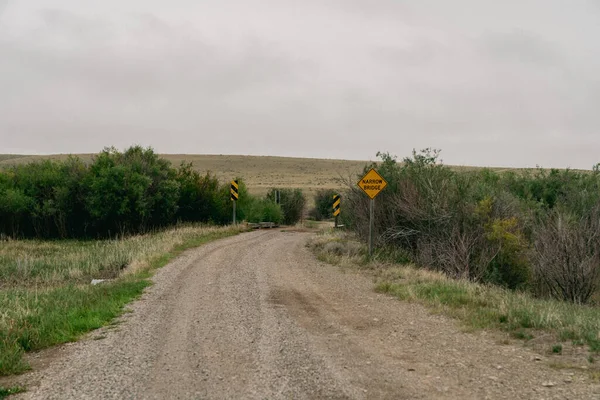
[(259, 173), (46, 296), (549, 325)]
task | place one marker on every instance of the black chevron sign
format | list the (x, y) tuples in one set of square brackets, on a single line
[(234, 191)]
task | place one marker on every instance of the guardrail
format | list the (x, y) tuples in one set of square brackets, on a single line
[(263, 225)]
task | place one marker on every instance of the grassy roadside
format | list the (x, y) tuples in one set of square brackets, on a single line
[(5, 392), (561, 325), (45, 293)]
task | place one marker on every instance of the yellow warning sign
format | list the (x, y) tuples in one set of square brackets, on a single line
[(234, 193), (337, 201), (372, 183)]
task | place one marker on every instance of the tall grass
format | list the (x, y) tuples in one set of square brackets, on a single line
[(5, 392), (45, 292), (50, 263)]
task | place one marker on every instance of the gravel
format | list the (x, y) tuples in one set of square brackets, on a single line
[(255, 316)]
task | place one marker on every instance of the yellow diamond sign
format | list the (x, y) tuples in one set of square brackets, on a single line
[(372, 183)]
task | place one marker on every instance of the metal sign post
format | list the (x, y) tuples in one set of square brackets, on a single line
[(371, 224), (372, 184), (337, 201)]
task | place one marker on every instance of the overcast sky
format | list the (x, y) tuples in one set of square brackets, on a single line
[(499, 83)]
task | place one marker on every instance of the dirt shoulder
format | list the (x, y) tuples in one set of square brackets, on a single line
[(257, 316)]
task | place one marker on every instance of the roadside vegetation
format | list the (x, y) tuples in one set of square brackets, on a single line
[(531, 231), (45, 293), (517, 251), (116, 194), (292, 203), (113, 219), (558, 324), (5, 392), (322, 209)]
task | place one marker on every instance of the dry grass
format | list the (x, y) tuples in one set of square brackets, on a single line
[(336, 247), (5, 157), (50, 263)]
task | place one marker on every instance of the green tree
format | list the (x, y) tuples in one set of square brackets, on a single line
[(292, 202), (131, 192)]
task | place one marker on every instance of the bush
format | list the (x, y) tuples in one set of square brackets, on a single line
[(201, 197), (131, 192), (43, 199), (510, 266), (566, 255), (292, 202), (116, 194), (481, 225), (323, 204), (264, 210)]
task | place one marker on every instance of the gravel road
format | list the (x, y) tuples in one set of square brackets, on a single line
[(257, 317)]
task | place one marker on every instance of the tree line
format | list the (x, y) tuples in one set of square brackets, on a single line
[(123, 193)]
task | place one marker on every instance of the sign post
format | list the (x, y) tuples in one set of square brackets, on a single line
[(372, 184), (371, 224), (336, 207), (234, 196)]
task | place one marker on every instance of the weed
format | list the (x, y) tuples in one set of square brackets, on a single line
[(562, 365), (567, 334), (595, 376), (523, 335), (5, 392), (593, 341), (557, 349), (309, 224)]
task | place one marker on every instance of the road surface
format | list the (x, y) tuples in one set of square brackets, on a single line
[(257, 317)]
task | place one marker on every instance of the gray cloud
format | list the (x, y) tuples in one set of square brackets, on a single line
[(522, 47), (489, 83)]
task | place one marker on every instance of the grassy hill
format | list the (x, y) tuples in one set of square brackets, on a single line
[(6, 157)]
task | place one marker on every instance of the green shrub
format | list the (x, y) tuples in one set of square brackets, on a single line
[(118, 193), (292, 202), (323, 204), (264, 210), (557, 349), (202, 198), (131, 191)]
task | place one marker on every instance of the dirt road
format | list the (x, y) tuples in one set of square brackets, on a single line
[(257, 317)]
